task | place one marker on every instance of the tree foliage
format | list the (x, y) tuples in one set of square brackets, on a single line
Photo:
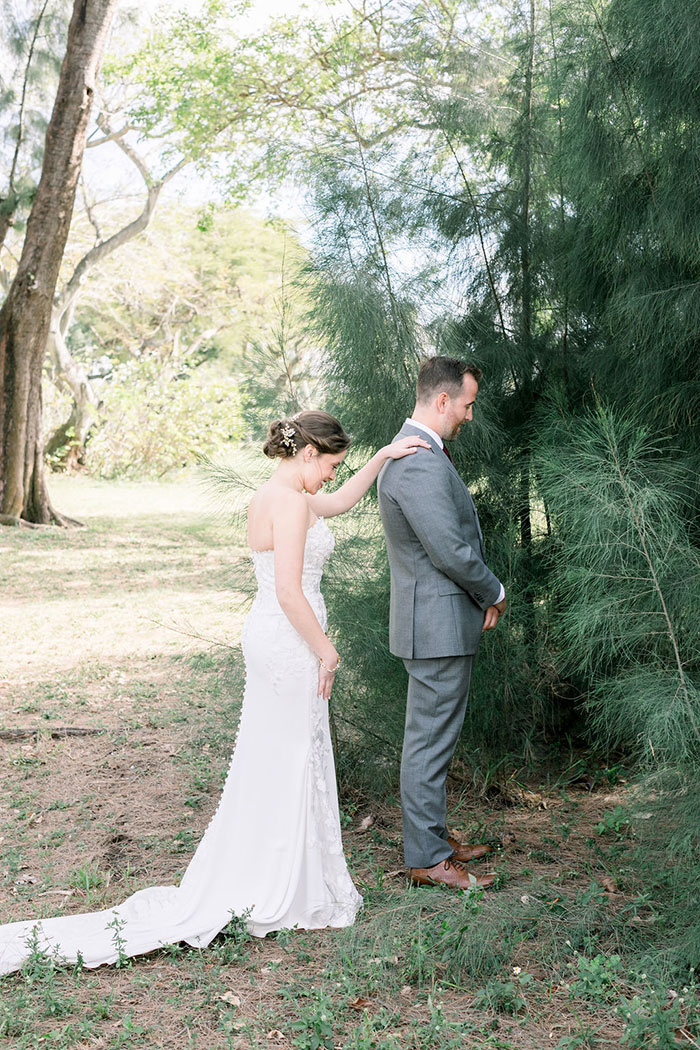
[(626, 580), (185, 351), (162, 416), (31, 47), (541, 216)]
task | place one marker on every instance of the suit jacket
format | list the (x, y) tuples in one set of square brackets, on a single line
[(440, 583)]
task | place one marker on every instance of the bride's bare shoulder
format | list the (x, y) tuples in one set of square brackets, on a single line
[(272, 500)]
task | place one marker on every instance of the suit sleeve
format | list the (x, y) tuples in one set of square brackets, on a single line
[(436, 522)]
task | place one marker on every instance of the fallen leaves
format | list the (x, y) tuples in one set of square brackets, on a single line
[(230, 998), (361, 1003)]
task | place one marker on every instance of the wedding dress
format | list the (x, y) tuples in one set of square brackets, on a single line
[(272, 851)]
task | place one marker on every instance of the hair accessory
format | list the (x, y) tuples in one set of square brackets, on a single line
[(288, 438)]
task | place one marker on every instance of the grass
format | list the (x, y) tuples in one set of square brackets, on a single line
[(115, 628)]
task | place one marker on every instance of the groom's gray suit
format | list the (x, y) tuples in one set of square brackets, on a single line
[(440, 590)]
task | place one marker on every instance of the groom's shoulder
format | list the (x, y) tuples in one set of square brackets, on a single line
[(421, 451), (394, 470)]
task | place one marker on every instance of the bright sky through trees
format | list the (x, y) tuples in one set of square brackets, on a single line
[(260, 11), (191, 186)]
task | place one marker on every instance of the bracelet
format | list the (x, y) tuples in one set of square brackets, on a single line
[(331, 670)]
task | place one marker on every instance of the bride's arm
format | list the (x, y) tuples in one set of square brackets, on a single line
[(289, 527), (329, 504)]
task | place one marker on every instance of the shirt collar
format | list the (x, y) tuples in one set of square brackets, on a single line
[(428, 430)]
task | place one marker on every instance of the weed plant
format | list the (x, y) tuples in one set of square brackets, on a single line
[(427, 937)]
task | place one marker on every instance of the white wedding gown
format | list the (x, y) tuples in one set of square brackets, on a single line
[(273, 850)]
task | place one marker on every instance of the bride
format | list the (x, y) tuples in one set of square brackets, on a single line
[(272, 852)]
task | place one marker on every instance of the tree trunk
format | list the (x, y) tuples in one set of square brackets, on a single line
[(67, 444), (26, 313), (526, 274)]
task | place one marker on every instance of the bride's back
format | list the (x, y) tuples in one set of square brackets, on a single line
[(269, 506)]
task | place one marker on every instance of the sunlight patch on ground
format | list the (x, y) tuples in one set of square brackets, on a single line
[(87, 498), (152, 574)]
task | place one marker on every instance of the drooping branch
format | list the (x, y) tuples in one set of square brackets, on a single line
[(9, 205), (525, 495), (562, 207), (626, 101), (282, 341), (525, 260), (127, 233), (380, 242), (480, 234)]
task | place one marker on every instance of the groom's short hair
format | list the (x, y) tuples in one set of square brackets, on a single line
[(443, 373)]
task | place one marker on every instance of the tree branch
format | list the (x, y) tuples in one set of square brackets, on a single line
[(380, 241), (20, 129), (92, 218), (113, 136), (105, 248), (482, 242)]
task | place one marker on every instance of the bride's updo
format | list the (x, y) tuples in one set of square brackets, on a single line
[(286, 437)]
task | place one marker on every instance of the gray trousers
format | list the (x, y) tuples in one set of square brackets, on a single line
[(438, 690)]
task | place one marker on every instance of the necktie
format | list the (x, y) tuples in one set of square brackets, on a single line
[(444, 449)]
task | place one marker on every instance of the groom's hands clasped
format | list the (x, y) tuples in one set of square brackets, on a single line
[(493, 615)]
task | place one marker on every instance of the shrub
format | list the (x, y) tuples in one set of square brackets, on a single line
[(160, 417)]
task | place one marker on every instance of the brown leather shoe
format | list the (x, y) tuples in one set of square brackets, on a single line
[(465, 854), (450, 873)]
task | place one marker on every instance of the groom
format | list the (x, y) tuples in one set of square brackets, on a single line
[(443, 596)]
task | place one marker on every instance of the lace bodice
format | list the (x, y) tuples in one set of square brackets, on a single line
[(320, 542)]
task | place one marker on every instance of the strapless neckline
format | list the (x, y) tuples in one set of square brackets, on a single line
[(271, 550)]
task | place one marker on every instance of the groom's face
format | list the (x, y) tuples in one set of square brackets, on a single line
[(458, 409)]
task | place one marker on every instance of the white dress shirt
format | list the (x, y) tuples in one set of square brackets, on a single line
[(428, 430), (436, 437)]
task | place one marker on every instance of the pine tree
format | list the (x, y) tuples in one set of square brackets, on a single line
[(629, 159)]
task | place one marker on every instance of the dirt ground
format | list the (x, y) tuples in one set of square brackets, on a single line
[(123, 635)]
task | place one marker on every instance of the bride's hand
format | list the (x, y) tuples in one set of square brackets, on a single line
[(405, 447), (326, 678)]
